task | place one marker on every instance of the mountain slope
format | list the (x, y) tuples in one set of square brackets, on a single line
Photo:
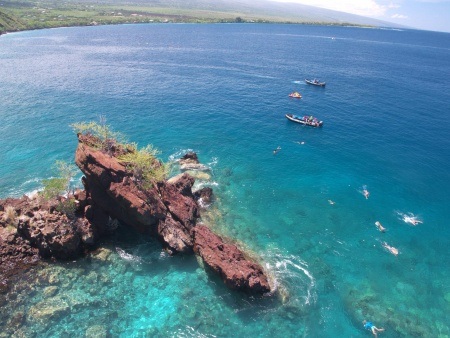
[(32, 14), (9, 23)]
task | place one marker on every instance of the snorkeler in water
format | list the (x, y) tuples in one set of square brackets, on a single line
[(276, 150), (369, 326), (391, 249), (380, 227), (411, 219), (365, 192)]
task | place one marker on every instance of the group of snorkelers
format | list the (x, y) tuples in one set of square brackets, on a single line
[(407, 219)]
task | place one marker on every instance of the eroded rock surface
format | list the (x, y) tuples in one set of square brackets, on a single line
[(33, 228), (229, 262)]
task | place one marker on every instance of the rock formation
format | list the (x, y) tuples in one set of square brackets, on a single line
[(166, 209), (229, 262)]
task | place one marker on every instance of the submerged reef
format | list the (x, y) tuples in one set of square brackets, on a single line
[(36, 228)]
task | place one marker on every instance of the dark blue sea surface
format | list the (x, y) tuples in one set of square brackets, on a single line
[(222, 91)]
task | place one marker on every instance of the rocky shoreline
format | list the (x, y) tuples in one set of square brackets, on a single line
[(32, 229)]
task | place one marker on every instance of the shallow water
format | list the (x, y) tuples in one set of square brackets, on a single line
[(222, 91)]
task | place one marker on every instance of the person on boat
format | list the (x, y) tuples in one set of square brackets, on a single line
[(369, 326), (380, 227)]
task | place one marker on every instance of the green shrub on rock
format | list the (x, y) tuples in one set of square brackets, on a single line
[(107, 138), (144, 165)]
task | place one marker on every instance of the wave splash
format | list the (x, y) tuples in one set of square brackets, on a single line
[(291, 277)]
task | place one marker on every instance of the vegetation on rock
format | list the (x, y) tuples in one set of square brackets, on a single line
[(142, 163), (55, 186), (106, 138)]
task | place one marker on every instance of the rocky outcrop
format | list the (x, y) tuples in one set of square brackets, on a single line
[(33, 228), (30, 229), (16, 254), (204, 196), (229, 262), (190, 162), (166, 209)]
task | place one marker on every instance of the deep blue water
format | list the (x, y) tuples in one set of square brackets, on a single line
[(222, 91)]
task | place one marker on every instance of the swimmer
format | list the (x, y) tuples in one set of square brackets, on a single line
[(331, 202), (276, 150), (369, 326), (380, 227), (303, 142), (365, 192), (391, 249), (411, 219)]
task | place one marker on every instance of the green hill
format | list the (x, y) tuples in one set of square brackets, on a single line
[(10, 23), (31, 14)]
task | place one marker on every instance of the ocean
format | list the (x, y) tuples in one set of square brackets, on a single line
[(221, 90)]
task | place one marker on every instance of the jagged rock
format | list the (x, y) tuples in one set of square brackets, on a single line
[(52, 233), (190, 162), (112, 195), (204, 195), (112, 189), (189, 157), (167, 209), (229, 262)]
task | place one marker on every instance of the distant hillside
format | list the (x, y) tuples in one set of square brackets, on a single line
[(9, 23), (31, 14)]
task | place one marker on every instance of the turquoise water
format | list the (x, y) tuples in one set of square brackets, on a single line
[(222, 91)]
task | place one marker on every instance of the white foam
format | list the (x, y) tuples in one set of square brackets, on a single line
[(409, 217), (291, 272), (128, 257)]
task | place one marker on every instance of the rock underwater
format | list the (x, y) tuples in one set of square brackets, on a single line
[(167, 209)]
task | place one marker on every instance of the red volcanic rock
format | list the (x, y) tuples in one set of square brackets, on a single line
[(229, 262), (113, 190), (204, 196), (16, 254), (167, 209), (52, 233)]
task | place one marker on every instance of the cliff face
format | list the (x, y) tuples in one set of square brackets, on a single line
[(168, 210)]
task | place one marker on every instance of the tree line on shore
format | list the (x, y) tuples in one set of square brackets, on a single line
[(29, 15)]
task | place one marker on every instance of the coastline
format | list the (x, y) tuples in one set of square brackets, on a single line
[(325, 24)]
